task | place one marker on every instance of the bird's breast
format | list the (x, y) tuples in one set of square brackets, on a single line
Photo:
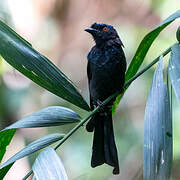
[(106, 73), (103, 82)]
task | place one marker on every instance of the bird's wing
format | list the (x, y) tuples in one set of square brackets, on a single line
[(89, 74), (117, 42)]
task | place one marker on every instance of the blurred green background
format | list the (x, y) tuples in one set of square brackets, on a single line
[(56, 29)]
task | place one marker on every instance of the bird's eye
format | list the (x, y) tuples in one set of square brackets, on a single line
[(105, 29)]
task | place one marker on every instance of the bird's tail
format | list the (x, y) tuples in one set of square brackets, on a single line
[(104, 147)]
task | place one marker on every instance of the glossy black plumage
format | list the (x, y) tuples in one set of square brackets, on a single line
[(106, 75)]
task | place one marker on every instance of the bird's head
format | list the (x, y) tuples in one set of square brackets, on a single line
[(102, 33)]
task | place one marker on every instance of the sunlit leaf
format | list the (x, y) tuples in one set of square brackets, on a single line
[(143, 49), (20, 54), (33, 147), (158, 130), (174, 70), (50, 116), (48, 165)]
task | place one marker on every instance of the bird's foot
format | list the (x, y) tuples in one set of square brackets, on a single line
[(103, 107), (100, 103)]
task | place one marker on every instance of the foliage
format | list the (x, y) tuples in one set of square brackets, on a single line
[(20, 54), (48, 159), (158, 129), (142, 50)]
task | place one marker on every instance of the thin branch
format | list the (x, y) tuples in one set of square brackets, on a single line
[(27, 175), (148, 66), (84, 120)]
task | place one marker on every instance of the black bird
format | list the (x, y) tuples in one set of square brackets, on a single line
[(106, 75)]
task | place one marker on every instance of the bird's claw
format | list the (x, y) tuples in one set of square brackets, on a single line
[(101, 105)]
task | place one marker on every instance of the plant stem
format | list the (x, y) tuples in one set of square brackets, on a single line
[(27, 175), (72, 131), (147, 67), (84, 120)]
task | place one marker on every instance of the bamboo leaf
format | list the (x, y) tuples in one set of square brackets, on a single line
[(48, 165), (174, 70), (143, 49), (33, 147), (5, 139), (20, 54), (158, 130), (4, 171), (178, 34), (50, 116)]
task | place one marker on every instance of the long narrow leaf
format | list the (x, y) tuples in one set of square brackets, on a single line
[(20, 54), (174, 70), (5, 139), (33, 147), (143, 49), (158, 130), (50, 116), (5, 170), (48, 165)]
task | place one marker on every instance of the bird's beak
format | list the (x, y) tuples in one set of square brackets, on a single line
[(91, 30)]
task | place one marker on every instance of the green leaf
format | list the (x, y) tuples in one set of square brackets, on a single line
[(50, 116), (178, 34), (20, 54), (143, 49), (5, 139), (158, 130), (33, 147), (174, 70), (48, 165), (5, 170)]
